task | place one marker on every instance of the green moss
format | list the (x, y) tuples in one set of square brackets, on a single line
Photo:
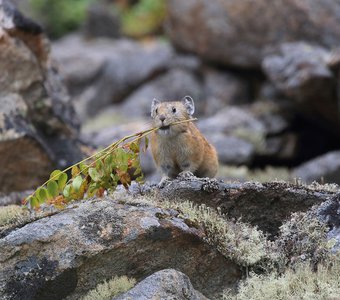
[(146, 17), (111, 288), (60, 16), (300, 283)]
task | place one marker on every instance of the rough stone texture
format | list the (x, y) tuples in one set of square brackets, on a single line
[(166, 285), (69, 253), (238, 33), (300, 71), (265, 205), (326, 167), (38, 127), (101, 71), (173, 85)]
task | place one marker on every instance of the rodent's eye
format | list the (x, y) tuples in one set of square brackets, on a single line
[(174, 109), (156, 111)]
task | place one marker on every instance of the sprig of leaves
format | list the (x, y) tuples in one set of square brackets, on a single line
[(104, 170)]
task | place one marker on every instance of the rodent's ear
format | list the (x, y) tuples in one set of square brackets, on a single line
[(154, 105), (188, 102)]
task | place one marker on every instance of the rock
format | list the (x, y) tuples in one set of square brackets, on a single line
[(300, 72), (39, 129), (329, 213), (232, 150), (325, 168), (101, 21), (173, 85), (238, 33), (101, 71), (222, 89), (69, 253), (13, 198), (166, 285), (265, 205), (230, 119)]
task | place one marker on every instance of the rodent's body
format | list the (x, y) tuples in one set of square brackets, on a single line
[(180, 147)]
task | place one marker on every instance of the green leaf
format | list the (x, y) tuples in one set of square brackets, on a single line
[(108, 163), (94, 174), (67, 191), (52, 188), (76, 183), (75, 171), (62, 181), (34, 202), (42, 195), (84, 169), (134, 147), (55, 174)]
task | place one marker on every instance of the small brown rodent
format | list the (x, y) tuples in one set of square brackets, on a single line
[(180, 147)]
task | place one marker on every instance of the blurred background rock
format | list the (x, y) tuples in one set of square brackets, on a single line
[(264, 76)]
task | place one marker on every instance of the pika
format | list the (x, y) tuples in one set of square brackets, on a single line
[(180, 147)]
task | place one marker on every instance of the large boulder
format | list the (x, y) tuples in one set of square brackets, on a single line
[(238, 33), (38, 126), (166, 285), (69, 253)]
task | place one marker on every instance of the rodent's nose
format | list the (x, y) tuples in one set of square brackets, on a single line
[(162, 118)]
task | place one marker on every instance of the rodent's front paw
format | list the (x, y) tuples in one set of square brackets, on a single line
[(164, 181)]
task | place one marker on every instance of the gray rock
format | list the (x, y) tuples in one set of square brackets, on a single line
[(101, 21), (166, 285), (101, 71), (232, 150), (222, 89), (95, 240), (300, 71), (230, 119), (238, 32), (39, 129), (265, 205), (329, 213), (324, 168), (173, 85)]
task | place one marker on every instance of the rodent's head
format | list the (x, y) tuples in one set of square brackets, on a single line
[(165, 113)]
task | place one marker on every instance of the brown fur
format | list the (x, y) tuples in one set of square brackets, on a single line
[(182, 147)]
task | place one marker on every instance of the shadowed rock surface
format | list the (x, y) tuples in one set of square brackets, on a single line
[(166, 285), (264, 205), (38, 127)]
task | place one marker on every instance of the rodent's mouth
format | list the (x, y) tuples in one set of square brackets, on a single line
[(165, 127)]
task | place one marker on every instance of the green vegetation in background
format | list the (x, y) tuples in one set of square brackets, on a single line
[(144, 18), (60, 16)]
